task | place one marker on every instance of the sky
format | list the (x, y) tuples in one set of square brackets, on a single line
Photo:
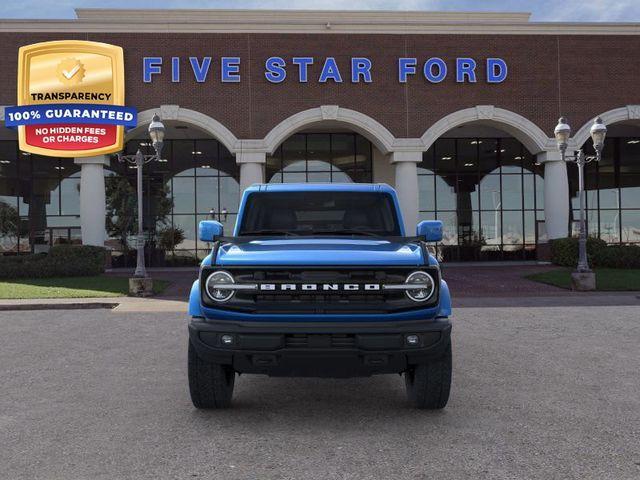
[(542, 10)]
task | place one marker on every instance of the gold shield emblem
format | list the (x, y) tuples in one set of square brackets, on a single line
[(71, 72)]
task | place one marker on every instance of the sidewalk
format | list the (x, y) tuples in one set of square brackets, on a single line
[(117, 304)]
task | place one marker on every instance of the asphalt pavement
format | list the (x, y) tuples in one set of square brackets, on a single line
[(538, 393)]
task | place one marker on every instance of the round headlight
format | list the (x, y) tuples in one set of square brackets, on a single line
[(215, 286), (427, 286)]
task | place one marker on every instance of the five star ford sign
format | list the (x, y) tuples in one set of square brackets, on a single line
[(71, 99)]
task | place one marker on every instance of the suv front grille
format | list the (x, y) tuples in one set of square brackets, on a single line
[(319, 300)]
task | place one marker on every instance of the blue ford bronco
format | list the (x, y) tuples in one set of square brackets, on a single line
[(319, 280)]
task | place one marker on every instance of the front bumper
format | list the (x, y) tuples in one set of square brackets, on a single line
[(320, 349)]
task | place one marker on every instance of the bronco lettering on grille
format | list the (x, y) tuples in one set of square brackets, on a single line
[(314, 287)]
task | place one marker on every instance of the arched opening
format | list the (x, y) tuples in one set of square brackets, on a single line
[(322, 155), (328, 144), (197, 179), (612, 186), (486, 187)]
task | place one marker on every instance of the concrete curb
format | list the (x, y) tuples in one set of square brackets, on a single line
[(10, 307)]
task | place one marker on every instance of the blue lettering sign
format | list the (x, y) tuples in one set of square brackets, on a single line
[(275, 69), (200, 71), (230, 70), (303, 64), (360, 67), (175, 69), (330, 71), (406, 66), (434, 69), (496, 70), (465, 67), (428, 70), (151, 66)]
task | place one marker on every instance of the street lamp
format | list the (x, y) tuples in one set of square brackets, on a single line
[(156, 133), (562, 133)]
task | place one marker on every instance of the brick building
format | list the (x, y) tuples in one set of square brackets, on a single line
[(456, 110)]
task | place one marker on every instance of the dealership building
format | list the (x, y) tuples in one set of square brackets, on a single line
[(455, 110)]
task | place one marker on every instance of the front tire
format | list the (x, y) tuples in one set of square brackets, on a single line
[(210, 384), (428, 384)]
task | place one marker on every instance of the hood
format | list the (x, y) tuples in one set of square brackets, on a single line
[(320, 251)]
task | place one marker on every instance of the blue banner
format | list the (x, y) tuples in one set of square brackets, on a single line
[(70, 113)]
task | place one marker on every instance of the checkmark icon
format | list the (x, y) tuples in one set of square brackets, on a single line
[(71, 73)]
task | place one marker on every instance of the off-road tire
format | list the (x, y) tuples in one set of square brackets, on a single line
[(210, 384), (428, 384)]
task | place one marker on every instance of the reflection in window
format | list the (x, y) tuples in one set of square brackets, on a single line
[(612, 191), (487, 191), (201, 181), (39, 199), (321, 158)]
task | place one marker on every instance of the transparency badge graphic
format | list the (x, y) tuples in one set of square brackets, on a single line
[(70, 99)]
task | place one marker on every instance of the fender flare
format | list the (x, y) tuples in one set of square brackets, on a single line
[(445, 300), (195, 309)]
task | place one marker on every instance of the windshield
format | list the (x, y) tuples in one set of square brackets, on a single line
[(319, 213)]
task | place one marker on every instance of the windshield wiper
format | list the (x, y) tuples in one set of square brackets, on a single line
[(269, 232), (347, 231)]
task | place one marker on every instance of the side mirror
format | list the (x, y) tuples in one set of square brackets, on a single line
[(431, 230), (210, 230)]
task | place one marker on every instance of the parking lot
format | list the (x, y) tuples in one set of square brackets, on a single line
[(537, 393)]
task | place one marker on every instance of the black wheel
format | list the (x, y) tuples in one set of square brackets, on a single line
[(210, 384), (428, 384)]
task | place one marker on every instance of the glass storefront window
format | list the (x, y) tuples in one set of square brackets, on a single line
[(612, 191), (184, 196), (511, 155), (489, 194), (182, 158), (321, 157), (630, 190), (630, 224), (197, 180), (445, 195), (207, 195), (488, 191), (319, 153), (70, 195), (609, 225), (426, 195), (445, 156), (294, 151), (512, 192)]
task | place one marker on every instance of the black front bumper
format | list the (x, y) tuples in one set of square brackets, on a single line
[(319, 349)]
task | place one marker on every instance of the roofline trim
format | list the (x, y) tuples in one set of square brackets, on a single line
[(310, 21)]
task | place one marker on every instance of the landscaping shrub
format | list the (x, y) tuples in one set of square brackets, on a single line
[(564, 252), (61, 261), (618, 256)]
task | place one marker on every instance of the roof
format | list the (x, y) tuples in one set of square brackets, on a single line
[(321, 187), (310, 21)]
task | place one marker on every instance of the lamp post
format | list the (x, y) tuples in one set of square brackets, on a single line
[(156, 133), (583, 278)]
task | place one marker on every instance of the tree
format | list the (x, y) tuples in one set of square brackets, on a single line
[(122, 208), (169, 237), (9, 221)]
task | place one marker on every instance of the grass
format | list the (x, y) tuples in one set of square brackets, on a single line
[(70, 287), (607, 279)]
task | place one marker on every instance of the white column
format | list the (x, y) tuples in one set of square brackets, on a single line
[(93, 208), (251, 168), (556, 194), (406, 173)]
